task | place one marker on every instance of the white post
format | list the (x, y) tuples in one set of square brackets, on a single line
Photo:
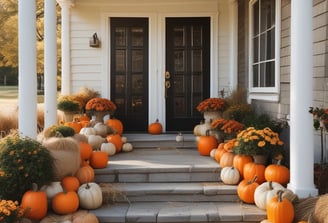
[(50, 63), (301, 132), (233, 15), (27, 90), (65, 47)]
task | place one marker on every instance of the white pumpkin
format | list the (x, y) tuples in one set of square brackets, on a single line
[(95, 141), (52, 189), (88, 131), (265, 192), (179, 137), (102, 129), (124, 139), (203, 128), (90, 196), (212, 153), (127, 147), (230, 175), (109, 148)]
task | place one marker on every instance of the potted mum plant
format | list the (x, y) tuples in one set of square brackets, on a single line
[(227, 128), (212, 108), (259, 143), (99, 107), (69, 105)]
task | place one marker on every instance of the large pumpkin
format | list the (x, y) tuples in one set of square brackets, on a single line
[(205, 144), (90, 196), (35, 204), (280, 210), (246, 190), (254, 169), (239, 162), (155, 128), (116, 125), (65, 202), (116, 139), (277, 173), (85, 174), (99, 159)]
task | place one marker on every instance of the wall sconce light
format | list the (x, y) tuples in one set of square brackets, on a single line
[(94, 41)]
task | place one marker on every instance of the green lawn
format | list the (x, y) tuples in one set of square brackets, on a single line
[(10, 94)]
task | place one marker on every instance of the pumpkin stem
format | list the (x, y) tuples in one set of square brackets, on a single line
[(87, 186), (254, 180), (279, 162), (279, 195), (270, 185), (34, 187)]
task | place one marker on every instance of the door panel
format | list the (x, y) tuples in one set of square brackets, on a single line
[(188, 71), (129, 71)]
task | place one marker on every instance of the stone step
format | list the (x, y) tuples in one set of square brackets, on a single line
[(179, 212), (159, 165), (173, 192)]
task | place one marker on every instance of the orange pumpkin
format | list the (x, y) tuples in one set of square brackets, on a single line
[(70, 183), (65, 202), (277, 173), (74, 125), (116, 125), (227, 159), (116, 139), (246, 190), (155, 128), (219, 152), (205, 144), (85, 174), (254, 169), (239, 162), (35, 204), (99, 159), (85, 150), (279, 209), (84, 117)]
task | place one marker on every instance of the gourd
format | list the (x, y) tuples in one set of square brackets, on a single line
[(227, 159), (127, 147), (116, 125), (205, 144), (86, 218), (108, 148), (65, 202), (254, 169), (230, 175), (90, 196), (280, 210), (155, 128), (85, 174), (239, 162), (99, 159), (70, 183), (116, 140), (265, 192), (95, 141), (277, 173), (52, 189), (246, 190), (36, 203)]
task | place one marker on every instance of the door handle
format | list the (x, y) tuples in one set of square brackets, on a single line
[(167, 82)]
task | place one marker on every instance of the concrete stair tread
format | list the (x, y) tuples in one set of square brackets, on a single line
[(178, 212)]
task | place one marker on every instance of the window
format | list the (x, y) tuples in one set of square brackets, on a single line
[(264, 49)]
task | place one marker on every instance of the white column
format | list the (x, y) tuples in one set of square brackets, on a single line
[(50, 63), (301, 133), (27, 90), (233, 15), (66, 46)]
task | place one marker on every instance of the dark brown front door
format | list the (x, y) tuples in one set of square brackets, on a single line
[(129, 71), (187, 77)]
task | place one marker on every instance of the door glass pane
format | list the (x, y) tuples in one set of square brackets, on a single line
[(197, 83), (196, 35), (137, 36), (136, 104), (179, 61), (137, 83), (197, 60), (120, 84), (120, 61), (120, 36), (179, 86), (137, 61), (179, 39), (179, 106)]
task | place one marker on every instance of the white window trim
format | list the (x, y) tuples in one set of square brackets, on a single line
[(268, 93)]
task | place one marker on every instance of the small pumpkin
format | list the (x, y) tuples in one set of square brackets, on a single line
[(219, 152), (95, 141), (102, 129), (227, 159), (90, 196), (277, 173), (254, 169), (88, 131), (205, 144), (230, 175), (127, 147), (35, 203), (280, 210), (179, 137), (116, 139), (74, 125), (85, 218), (212, 153), (115, 124), (109, 148), (52, 189), (246, 190), (239, 162), (155, 128), (85, 150), (99, 159), (70, 183), (65, 202), (124, 139), (85, 174), (265, 192)]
